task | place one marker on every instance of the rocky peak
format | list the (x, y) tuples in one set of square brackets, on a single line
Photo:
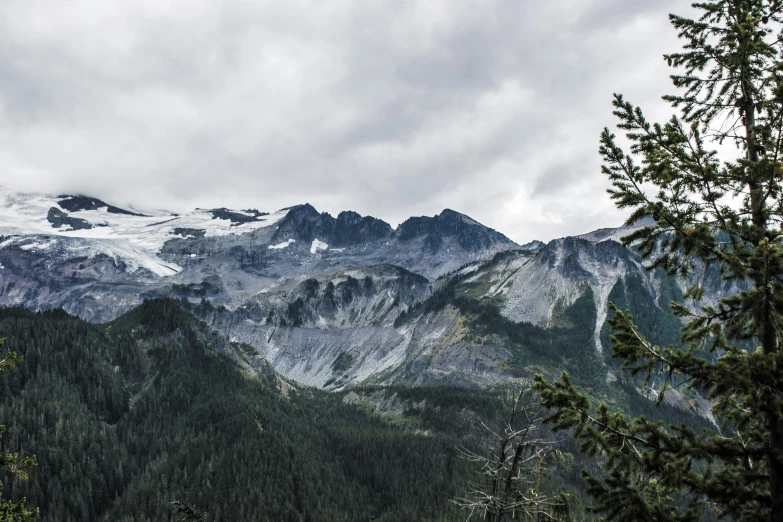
[(351, 228), (303, 223), (470, 234)]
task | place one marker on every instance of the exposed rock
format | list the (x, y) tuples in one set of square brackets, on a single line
[(470, 235), (189, 232), (77, 203), (321, 316), (351, 229), (237, 217), (58, 219)]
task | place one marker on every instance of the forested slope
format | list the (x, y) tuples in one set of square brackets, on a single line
[(126, 417)]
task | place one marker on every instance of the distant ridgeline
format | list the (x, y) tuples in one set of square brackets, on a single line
[(155, 406), (347, 301)]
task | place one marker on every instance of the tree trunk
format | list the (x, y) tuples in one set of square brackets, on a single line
[(766, 328)]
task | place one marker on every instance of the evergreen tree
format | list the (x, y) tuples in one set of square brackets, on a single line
[(701, 214), (14, 511)]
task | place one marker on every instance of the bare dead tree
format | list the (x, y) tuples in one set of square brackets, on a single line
[(512, 466), (188, 513)]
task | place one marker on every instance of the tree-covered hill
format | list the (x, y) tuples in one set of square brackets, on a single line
[(155, 406), (126, 417)]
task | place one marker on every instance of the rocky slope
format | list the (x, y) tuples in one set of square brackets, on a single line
[(97, 260), (338, 301)]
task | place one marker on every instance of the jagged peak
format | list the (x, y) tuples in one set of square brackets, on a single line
[(448, 213), (303, 208), (450, 223), (345, 215), (305, 223)]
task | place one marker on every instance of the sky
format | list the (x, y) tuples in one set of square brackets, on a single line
[(392, 108)]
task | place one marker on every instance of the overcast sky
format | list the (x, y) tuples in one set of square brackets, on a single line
[(390, 108)]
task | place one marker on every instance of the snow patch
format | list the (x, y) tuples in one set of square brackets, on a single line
[(37, 246), (135, 239), (615, 234), (318, 245), (282, 245)]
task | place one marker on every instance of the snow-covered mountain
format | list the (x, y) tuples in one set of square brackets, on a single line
[(98, 260), (335, 301), (81, 226)]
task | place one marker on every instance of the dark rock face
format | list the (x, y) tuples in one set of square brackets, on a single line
[(77, 203), (367, 296), (432, 243), (415, 227), (351, 228), (470, 235), (189, 232), (58, 218), (477, 238), (95, 287), (304, 223), (236, 217)]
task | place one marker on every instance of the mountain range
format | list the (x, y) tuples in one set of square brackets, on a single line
[(337, 302), (292, 365)]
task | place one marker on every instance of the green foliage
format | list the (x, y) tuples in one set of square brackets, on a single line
[(155, 317), (128, 416), (447, 410), (703, 216), (658, 322), (343, 362), (569, 344), (10, 463)]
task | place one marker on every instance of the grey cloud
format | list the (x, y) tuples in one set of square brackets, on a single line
[(388, 108), (556, 178)]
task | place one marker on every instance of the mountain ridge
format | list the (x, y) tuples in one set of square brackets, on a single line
[(338, 302), (147, 233)]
